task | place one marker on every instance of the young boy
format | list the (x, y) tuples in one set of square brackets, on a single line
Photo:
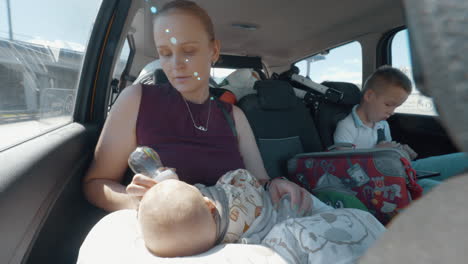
[(178, 219), (366, 126)]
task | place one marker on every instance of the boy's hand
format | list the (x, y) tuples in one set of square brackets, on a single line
[(387, 144), (413, 155)]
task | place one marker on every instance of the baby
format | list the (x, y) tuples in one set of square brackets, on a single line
[(178, 219)]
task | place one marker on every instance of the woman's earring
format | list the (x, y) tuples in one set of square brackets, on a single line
[(213, 63)]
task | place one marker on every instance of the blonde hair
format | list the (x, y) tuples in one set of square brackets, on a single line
[(385, 76), (191, 8)]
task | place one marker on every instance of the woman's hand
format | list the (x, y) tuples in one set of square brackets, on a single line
[(141, 184), (301, 201)]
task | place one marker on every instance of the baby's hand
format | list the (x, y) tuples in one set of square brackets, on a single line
[(301, 200)]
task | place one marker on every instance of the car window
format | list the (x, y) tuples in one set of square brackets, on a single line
[(42, 47), (340, 64), (416, 103)]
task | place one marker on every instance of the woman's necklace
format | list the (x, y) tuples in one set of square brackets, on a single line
[(200, 127)]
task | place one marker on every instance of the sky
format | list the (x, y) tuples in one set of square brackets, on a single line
[(341, 64), (34, 21)]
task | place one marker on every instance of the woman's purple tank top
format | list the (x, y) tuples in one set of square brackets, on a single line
[(164, 124)]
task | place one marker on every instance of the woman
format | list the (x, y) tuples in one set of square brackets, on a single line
[(179, 120)]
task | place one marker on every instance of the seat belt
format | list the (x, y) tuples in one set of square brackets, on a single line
[(215, 95), (228, 117), (380, 135)]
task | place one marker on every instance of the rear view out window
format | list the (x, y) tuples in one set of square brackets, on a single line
[(340, 64), (42, 47)]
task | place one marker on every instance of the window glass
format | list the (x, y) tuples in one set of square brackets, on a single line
[(340, 64), (401, 59), (42, 46)]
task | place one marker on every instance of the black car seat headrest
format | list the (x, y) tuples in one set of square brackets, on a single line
[(351, 93), (329, 113), (275, 95)]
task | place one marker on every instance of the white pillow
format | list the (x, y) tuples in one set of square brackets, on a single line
[(241, 82), (115, 239)]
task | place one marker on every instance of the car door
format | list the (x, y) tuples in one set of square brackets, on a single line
[(56, 59)]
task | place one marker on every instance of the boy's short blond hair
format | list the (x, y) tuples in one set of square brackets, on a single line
[(385, 77)]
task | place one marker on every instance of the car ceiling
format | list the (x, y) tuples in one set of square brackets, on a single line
[(287, 30)]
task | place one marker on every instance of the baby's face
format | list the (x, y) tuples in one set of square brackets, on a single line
[(176, 220)]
